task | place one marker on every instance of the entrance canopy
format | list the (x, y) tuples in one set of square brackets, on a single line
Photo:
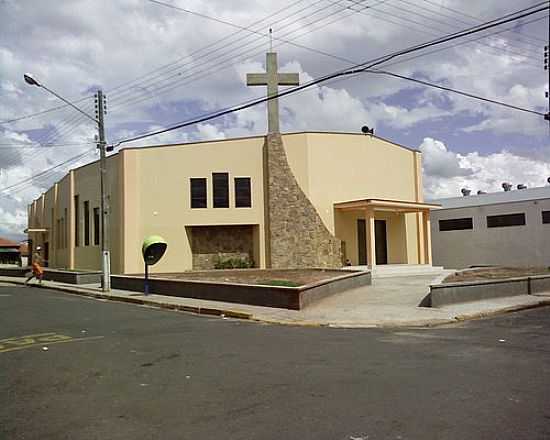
[(385, 205), (367, 234)]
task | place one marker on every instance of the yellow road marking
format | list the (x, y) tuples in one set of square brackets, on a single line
[(21, 347), (36, 335)]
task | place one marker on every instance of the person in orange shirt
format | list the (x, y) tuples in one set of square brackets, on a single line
[(37, 270)]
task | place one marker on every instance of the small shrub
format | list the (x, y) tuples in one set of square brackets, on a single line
[(280, 283), (233, 263)]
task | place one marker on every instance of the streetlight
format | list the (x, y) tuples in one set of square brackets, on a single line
[(105, 258)]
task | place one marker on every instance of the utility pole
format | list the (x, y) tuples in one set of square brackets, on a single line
[(547, 116), (102, 145)]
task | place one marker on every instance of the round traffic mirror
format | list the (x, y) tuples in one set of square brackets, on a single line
[(153, 249)]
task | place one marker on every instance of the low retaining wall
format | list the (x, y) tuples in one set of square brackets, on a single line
[(71, 277), (294, 298), (453, 293), (61, 276), (14, 271), (539, 284)]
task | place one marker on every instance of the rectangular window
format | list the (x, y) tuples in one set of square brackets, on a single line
[(500, 221), (242, 192), (58, 234), (65, 232), (546, 217), (220, 182), (456, 224), (96, 226), (86, 223), (76, 223), (198, 192), (55, 229)]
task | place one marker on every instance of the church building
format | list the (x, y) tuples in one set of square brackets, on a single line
[(308, 199)]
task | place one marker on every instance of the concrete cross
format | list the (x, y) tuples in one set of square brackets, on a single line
[(272, 79)]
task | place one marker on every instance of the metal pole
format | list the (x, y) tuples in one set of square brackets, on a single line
[(105, 257), (146, 286)]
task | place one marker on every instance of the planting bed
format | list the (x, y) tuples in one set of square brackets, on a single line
[(291, 288), (495, 273)]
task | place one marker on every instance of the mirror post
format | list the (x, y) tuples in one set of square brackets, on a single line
[(146, 286)]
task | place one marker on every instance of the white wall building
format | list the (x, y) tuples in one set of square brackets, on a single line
[(510, 228)]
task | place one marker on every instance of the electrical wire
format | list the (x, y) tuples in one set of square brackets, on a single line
[(357, 69), (227, 58), (210, 71), (473, 17), (46, 171), (459, 92)]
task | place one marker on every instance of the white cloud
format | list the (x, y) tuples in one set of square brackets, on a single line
[(439, 162), (446, 173), (202, 75)]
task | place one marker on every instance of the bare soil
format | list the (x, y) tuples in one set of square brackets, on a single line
[(495, 273), (280, 277)]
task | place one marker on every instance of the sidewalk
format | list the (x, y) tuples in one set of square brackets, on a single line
[(389, 302)]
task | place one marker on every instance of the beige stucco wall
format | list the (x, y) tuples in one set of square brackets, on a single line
[(87, 188), (63, 201), (157, 196), (396, 232), (149, 191), (336, 167)]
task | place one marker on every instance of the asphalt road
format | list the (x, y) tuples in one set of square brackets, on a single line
[(121, 371)]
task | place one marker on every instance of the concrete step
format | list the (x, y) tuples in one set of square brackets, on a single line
[(401, 270)]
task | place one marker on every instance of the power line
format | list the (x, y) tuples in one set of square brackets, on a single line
[(42, 112), (424, 28), (210, 70), (459, 92), (462, 13), (360, 68), (28, 146), (227, 42), (48, 170), (229, 56), (128, 84)]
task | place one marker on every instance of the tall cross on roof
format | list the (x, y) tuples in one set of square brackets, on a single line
[(272, 79)]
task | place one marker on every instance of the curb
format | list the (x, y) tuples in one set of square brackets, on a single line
[(224, 313), (517, 308)]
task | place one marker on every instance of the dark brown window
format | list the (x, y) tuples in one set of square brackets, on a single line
[(456, 224), (546, 217), (65, 231), (96, 226), (500, 221), (220, 183), (198, 192), (242, 192), (76, 222), (86, 223)]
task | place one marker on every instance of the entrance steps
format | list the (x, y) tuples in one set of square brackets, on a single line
[(400, 270)]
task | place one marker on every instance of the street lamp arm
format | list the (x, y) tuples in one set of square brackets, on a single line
[(69, 103)]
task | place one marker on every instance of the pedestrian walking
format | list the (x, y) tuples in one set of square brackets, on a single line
[(37, 270)]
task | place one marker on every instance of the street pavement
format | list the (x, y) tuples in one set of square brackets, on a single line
[(388, 302), (73, 367)]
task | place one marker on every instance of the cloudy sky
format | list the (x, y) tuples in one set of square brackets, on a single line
[(160, 65)]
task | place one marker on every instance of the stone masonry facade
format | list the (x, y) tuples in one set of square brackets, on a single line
[(209, 244), (297, 237)]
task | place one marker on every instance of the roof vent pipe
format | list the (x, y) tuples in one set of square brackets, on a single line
[(465, 192), (521, 186), (506, 186)]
